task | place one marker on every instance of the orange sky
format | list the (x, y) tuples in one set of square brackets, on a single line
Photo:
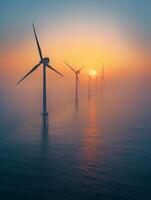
[(79, 45)]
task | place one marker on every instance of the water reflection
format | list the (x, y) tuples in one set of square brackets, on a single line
[(91, 139), (45, 140), (45, 131), (76, 105)]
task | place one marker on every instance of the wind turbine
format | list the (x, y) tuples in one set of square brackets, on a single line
[(89, 88), (102, 78), (96, 82), (77, 72), (45, 62)]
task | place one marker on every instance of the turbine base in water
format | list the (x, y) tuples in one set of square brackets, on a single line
[(44, 119), (76, 104)]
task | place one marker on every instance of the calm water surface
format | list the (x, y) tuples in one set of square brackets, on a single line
[(95, 152)]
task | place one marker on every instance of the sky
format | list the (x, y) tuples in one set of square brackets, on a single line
[(82, 32)]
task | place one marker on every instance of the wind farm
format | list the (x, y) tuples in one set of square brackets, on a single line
[(75, 100)]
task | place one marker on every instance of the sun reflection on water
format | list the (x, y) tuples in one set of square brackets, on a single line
[(91, 140)]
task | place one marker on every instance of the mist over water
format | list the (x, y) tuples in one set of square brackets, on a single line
[(100, 150)]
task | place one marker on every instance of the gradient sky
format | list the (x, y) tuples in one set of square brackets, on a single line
[(83, 32)]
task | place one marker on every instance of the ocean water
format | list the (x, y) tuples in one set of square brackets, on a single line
[(100, 150)]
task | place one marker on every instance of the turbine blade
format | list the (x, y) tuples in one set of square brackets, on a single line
[(80, 69), (69, 66), (33, 69), (53, 69), (38, 45)]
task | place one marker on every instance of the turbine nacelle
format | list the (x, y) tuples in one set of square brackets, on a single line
[(78, 72), (44, 61)]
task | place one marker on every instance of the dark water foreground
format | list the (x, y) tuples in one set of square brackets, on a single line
[(85, 154)]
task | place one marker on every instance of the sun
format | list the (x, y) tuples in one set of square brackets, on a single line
[(92, 73)]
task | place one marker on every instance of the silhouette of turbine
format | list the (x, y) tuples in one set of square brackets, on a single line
[(102, 78), (77, 72), (89, 88), (45, 62), (96, 82)]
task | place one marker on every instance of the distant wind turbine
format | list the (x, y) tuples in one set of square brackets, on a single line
[(45, 62), (96, 81), (102, 78), (77, 72), (89, 88)]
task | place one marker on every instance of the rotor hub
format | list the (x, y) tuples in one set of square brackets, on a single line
[(45, 61)]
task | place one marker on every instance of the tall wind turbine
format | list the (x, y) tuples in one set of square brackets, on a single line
[(45, 62), (102, 78), (77, 72)]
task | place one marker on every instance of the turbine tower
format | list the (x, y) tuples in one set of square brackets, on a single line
[(102, 78), (45, 62), (89, 88), (96, 82), (77, 72)]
